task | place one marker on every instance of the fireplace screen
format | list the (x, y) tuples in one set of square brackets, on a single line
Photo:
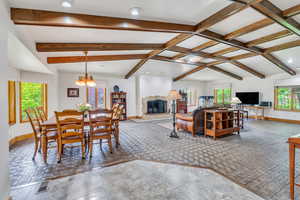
[(157, 106)]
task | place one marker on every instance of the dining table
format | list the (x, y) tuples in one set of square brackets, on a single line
[(51, 124)]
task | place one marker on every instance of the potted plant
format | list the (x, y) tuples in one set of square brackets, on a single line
[(84, 107)]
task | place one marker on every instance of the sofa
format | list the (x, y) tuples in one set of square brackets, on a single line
[(192, 122)]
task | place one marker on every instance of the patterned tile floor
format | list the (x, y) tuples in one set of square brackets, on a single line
[(256, 159)]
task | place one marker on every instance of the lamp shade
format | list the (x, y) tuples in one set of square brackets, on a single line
[(173, 95), (235, 100)]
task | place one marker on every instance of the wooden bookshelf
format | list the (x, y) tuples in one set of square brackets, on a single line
[(119, 98), (220, 122)]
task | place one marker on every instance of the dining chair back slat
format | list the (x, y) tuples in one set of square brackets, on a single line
[(41, 113), (100, 127), (70, 127)]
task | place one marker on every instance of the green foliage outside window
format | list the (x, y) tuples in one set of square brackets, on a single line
[(32, 96), (287, 98), (223, 96)]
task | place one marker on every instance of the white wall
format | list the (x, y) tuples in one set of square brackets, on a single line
[(266, 89), (160, 86), (52, 81), (67, 80), (4, 69)]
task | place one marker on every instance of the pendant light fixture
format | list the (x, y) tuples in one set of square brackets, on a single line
[(86, 80)]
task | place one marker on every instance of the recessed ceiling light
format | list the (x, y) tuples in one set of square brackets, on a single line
[(135, 11), (67, 3), (290, 60), (147, 72), (194, 58)]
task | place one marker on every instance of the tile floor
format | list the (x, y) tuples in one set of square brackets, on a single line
[(257, 159)]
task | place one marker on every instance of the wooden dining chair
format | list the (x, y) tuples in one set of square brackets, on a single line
[(116, 120), (41, 113), (70, 128), (37, 131), (100, 128)]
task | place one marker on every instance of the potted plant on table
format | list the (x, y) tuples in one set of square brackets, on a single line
[(84, 107)]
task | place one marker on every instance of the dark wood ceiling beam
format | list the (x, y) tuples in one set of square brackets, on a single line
[(170, 43), (279, 64), (225, 51), (198, 48), (230, 74), (284, 46), (224, 13), (69, 47), (76, 59), (250, 28), (268, 9), (169, 59), (202, 26), (220, 58), (293, 11), (248, 69), (269, 38), (247, 29), (61, 19), (234, 43), (197, 69), (243, 56)]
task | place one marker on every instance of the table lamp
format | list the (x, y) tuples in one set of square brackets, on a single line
[(235, 101)]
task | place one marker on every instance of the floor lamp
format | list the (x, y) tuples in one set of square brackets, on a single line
[(173, 96)]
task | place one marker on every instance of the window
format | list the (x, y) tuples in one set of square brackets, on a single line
[(96, 97), (287, 98), (12, 102), (223, 96), (32, 95)]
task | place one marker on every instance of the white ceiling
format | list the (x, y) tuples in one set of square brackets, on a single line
[(166, 10), (186, 12)]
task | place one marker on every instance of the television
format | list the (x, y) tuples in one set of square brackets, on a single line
[(250, 98)]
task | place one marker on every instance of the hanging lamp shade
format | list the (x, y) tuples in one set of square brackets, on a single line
[(86, 80)]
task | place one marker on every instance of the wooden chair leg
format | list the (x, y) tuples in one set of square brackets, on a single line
[(36, 146), (110, 145), (83, 148), (91, 147), (116, 135), (101, 144), (60, 146)]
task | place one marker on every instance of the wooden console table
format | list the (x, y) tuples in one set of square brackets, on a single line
[(294, 142), (257, 109)]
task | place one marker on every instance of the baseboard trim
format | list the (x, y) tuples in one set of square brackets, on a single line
[(283, 120), (20, 138)]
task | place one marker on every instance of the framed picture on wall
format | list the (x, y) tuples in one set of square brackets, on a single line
[(73, 92)]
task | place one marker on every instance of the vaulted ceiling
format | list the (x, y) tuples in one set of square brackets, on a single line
[(202, 40)]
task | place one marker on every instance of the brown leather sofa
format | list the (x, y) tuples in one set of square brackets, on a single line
[(192, 122)]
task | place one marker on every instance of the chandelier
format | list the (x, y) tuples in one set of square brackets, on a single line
[(86, 80)]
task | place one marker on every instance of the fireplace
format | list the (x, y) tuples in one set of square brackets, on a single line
[(157, 106)]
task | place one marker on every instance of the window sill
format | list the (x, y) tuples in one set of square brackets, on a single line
[(285, 110)]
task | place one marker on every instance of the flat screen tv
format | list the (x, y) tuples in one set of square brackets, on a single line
[(251, 98)]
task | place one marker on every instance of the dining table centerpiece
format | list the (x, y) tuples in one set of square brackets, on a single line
[(84, 107)]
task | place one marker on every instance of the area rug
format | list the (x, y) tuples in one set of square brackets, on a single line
[(143, 180)]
